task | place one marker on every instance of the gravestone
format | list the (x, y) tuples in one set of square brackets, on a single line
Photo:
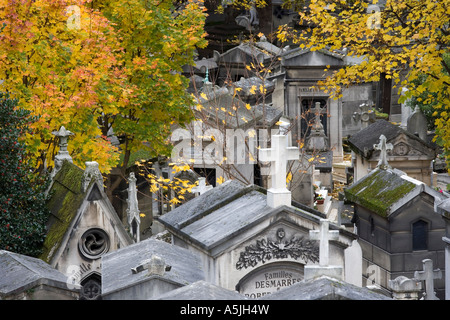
[(278, 194), (83, 224), (406, 110), (353, 269), (324, 235), (417, 124), (396, 221), (428, 275), (409, 153), (324, 288)]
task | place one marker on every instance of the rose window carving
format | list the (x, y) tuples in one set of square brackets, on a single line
[(94, 243)]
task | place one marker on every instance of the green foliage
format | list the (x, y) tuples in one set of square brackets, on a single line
[(427, 101), (23, 210)]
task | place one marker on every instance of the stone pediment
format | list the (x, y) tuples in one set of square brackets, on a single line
[(83, 224), (307, 58), (406, 147), (405, 144), (247, 53)]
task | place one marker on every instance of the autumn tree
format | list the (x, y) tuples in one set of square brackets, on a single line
[(399, 36), (23, 211), (99, 67), (59, 59)]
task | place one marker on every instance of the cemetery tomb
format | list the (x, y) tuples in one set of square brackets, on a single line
[(82, 227), (246, 245), (325, 288), (409, 153), (148, 269), (397, 225), (443, 209), (28, 278), (201, 290)]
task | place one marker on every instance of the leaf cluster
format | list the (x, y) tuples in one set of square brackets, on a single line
[(23, 211)]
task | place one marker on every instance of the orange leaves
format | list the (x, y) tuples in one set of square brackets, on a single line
[(60, 74)]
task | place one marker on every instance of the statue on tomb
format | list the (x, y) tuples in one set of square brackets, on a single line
[(317, 140)]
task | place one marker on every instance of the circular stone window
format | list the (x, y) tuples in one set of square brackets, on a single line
[(94, 243)]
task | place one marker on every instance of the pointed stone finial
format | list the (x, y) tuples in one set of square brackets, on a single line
[(206, 76), (62, 154), (63, 135), (134, 219)]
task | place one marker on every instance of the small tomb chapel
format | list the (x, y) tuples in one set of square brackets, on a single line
[(397, 224), (83, 224)]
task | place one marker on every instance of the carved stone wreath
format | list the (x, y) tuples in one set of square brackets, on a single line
[(266, 249)]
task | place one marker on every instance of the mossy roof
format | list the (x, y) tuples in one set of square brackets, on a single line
[(66, 197), (379, 191)]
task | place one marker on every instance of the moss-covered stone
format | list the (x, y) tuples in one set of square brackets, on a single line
[(379, 190), (66, 197)]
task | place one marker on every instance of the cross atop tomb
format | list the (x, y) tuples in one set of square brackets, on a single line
[(134, 219), (428, 275), (278, 155), (383, 147), (155, 266), (324, 235), (202, 187)]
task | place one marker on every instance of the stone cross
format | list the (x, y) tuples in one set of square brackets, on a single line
[(428, 275), (383, 147), (317, 111), (155, 266), (133, 208), (202, 187), (324, 235), (366, 114), (278, 155)]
